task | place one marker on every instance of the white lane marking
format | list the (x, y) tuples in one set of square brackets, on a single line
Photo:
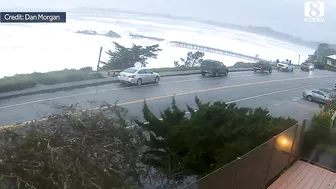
[(296, 99), (106, 90), (238, 100), (273, 105)]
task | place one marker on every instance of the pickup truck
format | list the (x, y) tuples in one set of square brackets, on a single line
[(213, 67), (262, 66), (285, 67)]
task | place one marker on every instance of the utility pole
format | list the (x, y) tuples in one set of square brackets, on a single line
[(299, 60), (101, 49)]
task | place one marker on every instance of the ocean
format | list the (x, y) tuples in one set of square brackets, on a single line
[(27, 48)]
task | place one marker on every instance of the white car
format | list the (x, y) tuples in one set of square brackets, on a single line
[(285, 67), (138, 76)]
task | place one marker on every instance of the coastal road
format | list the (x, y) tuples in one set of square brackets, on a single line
[(280, 92)]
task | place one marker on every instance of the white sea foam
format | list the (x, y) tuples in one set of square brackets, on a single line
[(26, 48)]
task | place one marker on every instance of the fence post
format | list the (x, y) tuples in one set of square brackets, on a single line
[(236, 175), (100, 52), (270, 161), (293, 143)]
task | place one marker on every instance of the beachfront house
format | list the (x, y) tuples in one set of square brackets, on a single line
[(331, 60)]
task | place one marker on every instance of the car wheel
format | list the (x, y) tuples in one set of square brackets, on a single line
[(139, 82), (309, 98), (270, 71), (292, 70), (157, 79), (203, 73), (254, 70), (225, 73)]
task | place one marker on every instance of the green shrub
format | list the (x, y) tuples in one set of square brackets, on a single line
[(330, 68), (215, 135), (23, 81), (57, 77), (323, 118), (86, 69), (17, 82)]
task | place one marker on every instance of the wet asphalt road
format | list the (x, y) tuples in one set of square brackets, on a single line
[(280, 92)]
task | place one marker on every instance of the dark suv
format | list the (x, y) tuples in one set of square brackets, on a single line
[(307, 66), (262, 66), (214, 68)]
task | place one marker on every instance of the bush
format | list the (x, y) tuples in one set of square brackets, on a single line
[(86, 69), (323, 66), (214, 135), (319, 65), (23, 81), (76, 149), (64, 76), (17, 82), (323, 118)]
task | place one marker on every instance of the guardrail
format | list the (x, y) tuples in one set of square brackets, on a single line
[(258, 168)]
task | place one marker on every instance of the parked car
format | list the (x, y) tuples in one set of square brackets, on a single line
[(138, 75), (213, 67), (262, 66), (307, 66), (319, 95), (282, 66)]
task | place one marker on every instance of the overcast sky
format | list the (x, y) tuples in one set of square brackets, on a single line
[(282, 15)]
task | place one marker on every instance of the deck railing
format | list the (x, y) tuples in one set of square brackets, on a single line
[(258, 168)]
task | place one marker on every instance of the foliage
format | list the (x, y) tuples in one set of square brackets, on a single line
[(320, 132), (193, 59), (123, 57), (23, 81), (323, 66), (75, 149), (214, 135), (323, 118)]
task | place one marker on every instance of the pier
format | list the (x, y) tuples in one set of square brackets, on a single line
[(200, 48), (214, 50)]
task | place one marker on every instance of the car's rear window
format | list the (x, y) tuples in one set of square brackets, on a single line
[(130, 70), (304, 64)]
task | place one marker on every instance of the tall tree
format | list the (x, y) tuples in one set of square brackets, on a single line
[(123, 57), (193, 59)]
